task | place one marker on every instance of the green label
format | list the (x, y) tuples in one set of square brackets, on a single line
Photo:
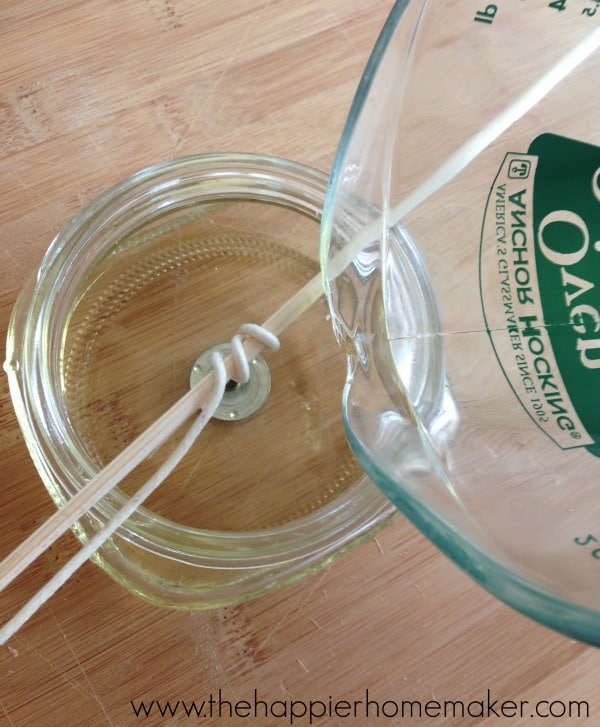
[(540, 284)]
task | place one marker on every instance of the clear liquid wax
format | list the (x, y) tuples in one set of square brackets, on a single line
[(134, 337)]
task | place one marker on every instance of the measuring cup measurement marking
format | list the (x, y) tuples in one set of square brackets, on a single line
[(488, 15)]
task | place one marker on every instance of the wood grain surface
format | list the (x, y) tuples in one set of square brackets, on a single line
[(91, 91)]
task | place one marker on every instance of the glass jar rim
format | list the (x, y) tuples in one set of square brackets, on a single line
[(34, 357)]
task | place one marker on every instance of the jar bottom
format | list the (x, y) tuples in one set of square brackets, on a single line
[(156, 302)]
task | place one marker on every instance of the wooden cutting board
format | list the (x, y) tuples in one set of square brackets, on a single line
[(91, 91)]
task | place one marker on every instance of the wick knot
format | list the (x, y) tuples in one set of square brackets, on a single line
[(238, 353)]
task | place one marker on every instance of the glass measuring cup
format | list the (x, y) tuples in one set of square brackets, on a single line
[(469, 300)]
